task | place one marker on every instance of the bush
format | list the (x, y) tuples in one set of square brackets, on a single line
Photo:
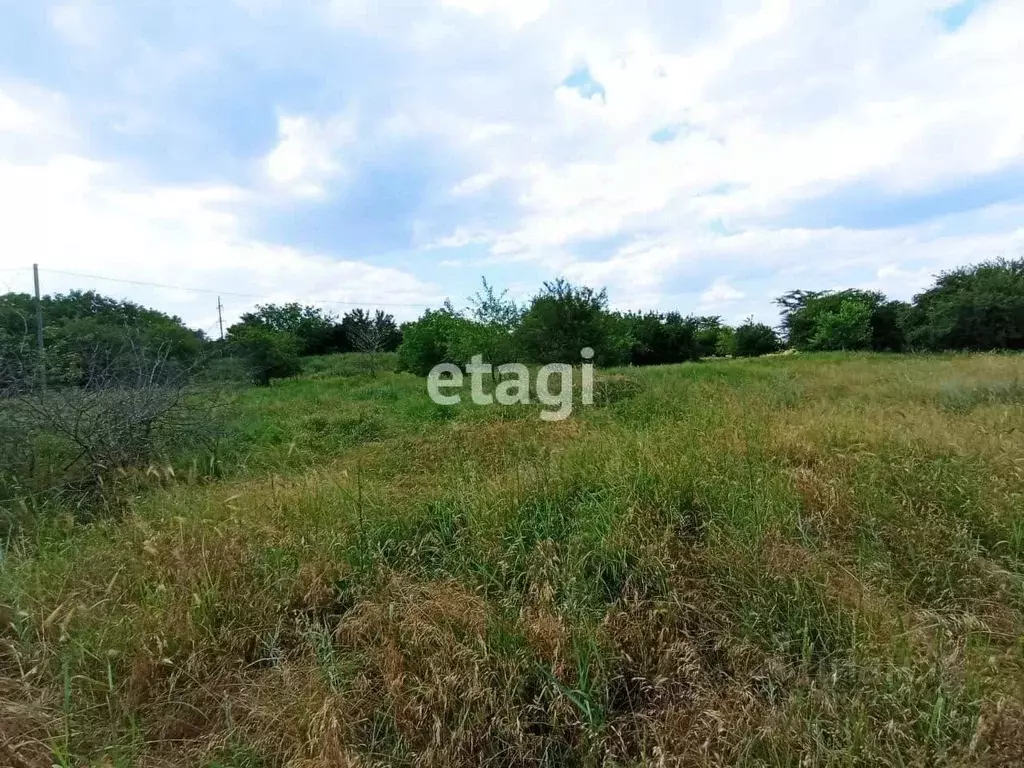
[(979, 307), (804, 313), (660, 339), (437, 337), (726, 344), (849, 328), (563, 319), (133, 406), (269, 354), (755, 339)]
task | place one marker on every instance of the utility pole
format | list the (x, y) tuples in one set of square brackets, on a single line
[(39, 328), (220, 319)]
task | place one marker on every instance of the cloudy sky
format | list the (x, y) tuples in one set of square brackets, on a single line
[(690, 155)]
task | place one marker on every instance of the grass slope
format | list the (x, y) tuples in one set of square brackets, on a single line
[(789, 561)]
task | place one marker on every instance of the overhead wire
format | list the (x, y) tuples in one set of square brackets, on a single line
[(214, 292)]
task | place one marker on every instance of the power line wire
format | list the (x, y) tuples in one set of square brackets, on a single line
[(228, 293)]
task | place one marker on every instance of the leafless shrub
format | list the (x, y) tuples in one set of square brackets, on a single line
[(371, 339), (128, 407)]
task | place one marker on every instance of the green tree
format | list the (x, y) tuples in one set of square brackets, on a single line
[(848, 328), (437, 337), (726, 344), (804, 311), (268, 353), (488, 307), (979, 307), (708, 335), (313, 328), (84, 329), (366, 332), (755, 339), (563, 319), (660, 339)]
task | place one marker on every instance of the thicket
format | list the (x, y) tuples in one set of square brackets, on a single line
[(979, 307), (972, 308)]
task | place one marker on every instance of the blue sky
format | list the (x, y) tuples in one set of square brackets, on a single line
[(700, 157)]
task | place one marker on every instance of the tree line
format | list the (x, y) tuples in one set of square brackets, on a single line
[(85, 331), (979, 307)]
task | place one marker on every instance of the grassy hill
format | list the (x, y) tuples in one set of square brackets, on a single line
[(763, 562)]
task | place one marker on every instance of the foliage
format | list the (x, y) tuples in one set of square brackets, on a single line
[(563, 319), (979, 307), (708, 333), (755, 339), (803, 313), (848, 328), (318, 332), (81, 326), (661, 339), (437, 337), (725, 346), (313, 328), (490, 308), (366, 332), (269, 354)]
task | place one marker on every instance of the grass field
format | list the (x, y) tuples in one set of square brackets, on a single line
[(786, 561)]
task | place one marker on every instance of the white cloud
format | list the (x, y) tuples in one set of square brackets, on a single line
[(307, 153), (515, 13), (782, 105), (14, 117), (79, 22), (71, 213), (773, 106), (720, 293)]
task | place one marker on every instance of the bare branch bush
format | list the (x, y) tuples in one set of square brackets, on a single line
[(370, 339), (120, 409)]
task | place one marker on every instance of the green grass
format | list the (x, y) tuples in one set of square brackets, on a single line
[(804, 560)]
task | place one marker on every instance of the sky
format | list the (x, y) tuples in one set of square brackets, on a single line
[(690, 156)]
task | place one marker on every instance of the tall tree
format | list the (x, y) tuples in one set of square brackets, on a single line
[(311, 326), (978, 307)]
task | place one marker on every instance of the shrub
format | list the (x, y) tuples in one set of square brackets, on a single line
[(563, 319), (660, 339), (433, 339), (805, 312), (979, 307), (269, 354), (133, 406), (849, 328), (754, 339)]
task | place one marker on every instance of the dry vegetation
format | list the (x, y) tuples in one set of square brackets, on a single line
[(790, 561)]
